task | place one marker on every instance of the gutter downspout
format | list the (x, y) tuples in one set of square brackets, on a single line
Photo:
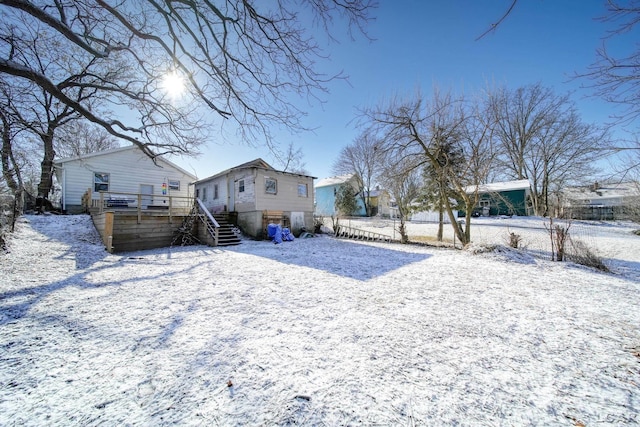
[(64, 189)]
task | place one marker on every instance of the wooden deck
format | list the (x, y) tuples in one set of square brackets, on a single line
[(127, 222)]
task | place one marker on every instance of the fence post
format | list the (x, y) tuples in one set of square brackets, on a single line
[(108, 231)]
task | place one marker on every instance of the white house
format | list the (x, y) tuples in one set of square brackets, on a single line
[(255, 190), (121, 170), (602, 201)]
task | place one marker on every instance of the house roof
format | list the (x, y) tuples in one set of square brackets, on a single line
[(256, 163), (118, 150), (601, 192), (334, 180), (497, 187)]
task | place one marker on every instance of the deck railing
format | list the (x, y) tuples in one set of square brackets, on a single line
[(139, 203)]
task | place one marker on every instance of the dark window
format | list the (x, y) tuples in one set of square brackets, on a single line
[(241, 186)]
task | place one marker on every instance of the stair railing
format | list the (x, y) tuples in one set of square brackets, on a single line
[(209, 221)]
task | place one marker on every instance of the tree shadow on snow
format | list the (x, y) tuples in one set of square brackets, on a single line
[(15, 304), (85, 246), (344, 258)]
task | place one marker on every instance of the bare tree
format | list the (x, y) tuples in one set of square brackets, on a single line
[(80, 137), (291, 160), (543, 139), (362, 158), (401, 176), (240, 60), (425, 131), (615, 74)]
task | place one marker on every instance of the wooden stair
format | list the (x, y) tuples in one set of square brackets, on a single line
[(226, 236)]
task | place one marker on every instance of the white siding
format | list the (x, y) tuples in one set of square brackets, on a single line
[(214, 204), (127, 170), (245, 201)]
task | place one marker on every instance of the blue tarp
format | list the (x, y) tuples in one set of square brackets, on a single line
[(278, 234), (274, 232), (286, 235)]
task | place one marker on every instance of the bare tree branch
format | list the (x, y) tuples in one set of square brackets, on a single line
[(495, 25)]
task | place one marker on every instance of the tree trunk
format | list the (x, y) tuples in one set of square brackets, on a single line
[(459, 232), (46, 173), (8, 172), (440, 222)]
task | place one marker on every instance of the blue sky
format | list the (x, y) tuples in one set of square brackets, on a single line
[(419, 44)]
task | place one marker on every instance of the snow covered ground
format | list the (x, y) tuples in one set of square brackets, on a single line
[(317, 332)]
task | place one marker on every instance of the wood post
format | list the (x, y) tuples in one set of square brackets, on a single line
[(108, 231)]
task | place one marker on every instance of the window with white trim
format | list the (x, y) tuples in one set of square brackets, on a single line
[(270, 186), (100, 181), (241, 186), (174, 185), (302, 190), (215, 191)]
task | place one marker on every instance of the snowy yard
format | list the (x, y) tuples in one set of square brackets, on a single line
[(317, 332)]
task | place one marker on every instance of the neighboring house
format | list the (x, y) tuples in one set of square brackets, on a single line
[(119, 170), (600, 201), (503, 198), (255, 190), (326, 190), (380, 202)]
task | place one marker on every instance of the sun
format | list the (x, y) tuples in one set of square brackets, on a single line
[(173, 84)]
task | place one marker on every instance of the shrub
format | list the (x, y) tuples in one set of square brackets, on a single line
[(581, 254), (514, 240)]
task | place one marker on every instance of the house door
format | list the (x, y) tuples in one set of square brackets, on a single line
[(146, 191), (231, 196)]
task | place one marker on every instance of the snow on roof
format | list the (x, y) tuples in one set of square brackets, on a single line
[(334, 180), (496, 187), (600, 191)]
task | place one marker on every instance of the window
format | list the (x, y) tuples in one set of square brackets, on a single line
[(484, 203), (215, 191), (197, 193), (302, 190), (204, 194), (174, 185), (241, 186), (100, 181), (270, 186)]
